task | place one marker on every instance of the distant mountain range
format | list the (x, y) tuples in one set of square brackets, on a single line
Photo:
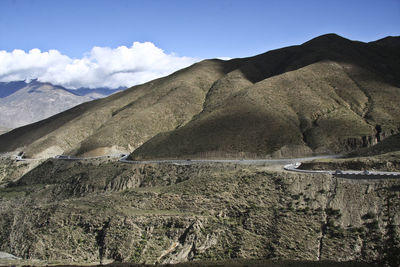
[(23, 103), (328, 95)]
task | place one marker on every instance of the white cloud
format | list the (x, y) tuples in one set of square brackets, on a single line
[(101, 67), (224, 58)]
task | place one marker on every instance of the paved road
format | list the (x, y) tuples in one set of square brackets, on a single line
[(288, 164), (59, 157), (7, 256), (236, 161), (65, 157), (345, 174)]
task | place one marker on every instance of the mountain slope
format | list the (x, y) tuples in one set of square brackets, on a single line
[(83, 212), (345, 100), (24, 103), (8, 88), (328, 95), (390, 144), (124, 120), (3, 130)]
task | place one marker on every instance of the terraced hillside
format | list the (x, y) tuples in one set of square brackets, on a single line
[(327, 95)]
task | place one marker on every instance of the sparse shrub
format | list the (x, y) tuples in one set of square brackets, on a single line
[(295, 197), (330, 224), (361, 230), (333, 212), (353, 229), (374, 225), (369, 215), (337, 232)]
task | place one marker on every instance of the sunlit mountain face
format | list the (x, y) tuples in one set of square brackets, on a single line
[(23, 102), (328, 95)]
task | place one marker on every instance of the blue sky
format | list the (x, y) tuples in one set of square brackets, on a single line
[(201, 29), (170, 34)]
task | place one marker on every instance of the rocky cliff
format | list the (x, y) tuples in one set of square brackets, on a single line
[(85, 212)]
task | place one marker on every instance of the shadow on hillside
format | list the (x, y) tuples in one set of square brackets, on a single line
[(372, 57)]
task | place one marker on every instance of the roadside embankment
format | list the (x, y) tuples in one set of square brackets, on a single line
[(389, 162)]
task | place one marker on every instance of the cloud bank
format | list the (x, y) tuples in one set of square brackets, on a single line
[(101, 67)]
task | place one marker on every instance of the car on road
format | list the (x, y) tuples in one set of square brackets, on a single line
[(61, 157), (19, 156)]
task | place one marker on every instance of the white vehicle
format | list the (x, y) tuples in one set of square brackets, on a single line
[(19, 156), (61, 157)]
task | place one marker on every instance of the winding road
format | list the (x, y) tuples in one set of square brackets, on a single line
[(288, 164), (345, 174), (235, 161)]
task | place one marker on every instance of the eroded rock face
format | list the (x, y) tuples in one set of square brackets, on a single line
[(354, 143), (202, 212), (390, 164)]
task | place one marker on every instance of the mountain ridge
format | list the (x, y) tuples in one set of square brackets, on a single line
[(22, 102), (141, 117), (153, 150)]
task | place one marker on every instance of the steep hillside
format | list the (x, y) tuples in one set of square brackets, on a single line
[(8, 88), (23, 103), (327, 95), (122, 121), (3, 130), (390, 144), (87, 211), (387, 162), (330, 95)]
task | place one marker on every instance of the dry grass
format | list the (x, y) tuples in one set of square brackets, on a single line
[(322, 96)]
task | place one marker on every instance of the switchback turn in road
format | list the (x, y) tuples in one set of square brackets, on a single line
[(288, 164), (345, 174)]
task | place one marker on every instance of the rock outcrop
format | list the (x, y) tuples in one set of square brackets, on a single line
[(200, 212)]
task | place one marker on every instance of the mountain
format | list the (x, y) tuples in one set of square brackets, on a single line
[(3, 130), (388, 41), (94, 93), (23, 103), (328, 95), (390, 144), (8, 88)]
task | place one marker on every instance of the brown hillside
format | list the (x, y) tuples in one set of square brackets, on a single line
[(390, 144), (327, 95), (122, 121)]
